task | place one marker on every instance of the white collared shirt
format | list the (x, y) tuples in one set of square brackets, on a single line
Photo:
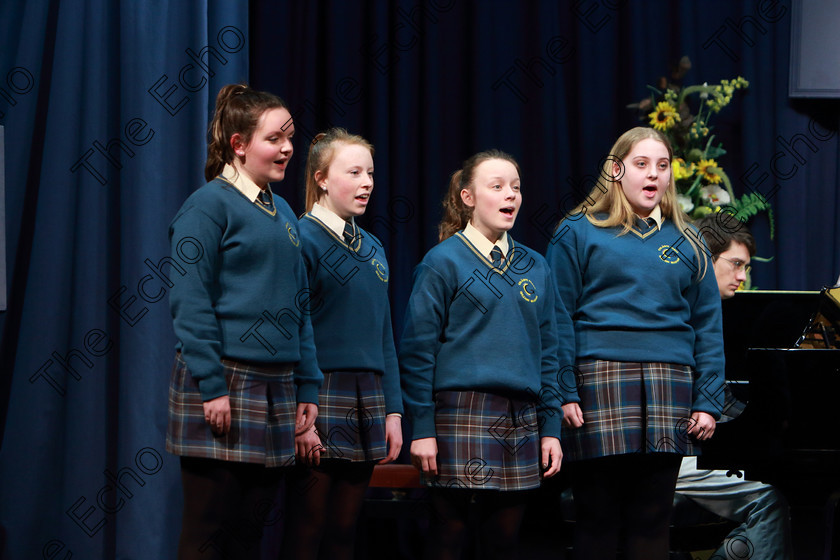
[(330, 219), (657, 216), (483, 244), (242, 183)]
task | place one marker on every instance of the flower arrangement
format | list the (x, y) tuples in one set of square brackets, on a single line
[(703, 186)]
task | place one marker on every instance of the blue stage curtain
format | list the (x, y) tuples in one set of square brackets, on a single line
[(87, 338), (430, 83), (106, 105)]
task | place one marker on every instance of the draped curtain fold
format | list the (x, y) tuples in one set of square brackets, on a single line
[(105, 138)]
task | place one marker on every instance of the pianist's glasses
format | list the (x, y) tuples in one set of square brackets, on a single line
[(737, 264)]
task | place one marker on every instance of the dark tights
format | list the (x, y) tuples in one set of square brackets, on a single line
[(635, 491), (322, 508), (226, 507), (499, 515)]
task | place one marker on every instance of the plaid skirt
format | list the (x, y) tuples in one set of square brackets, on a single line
[(631, 408), (351, 416), (262, 406), (486, 441)]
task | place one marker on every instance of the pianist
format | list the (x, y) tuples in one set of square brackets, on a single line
[(764, 530)]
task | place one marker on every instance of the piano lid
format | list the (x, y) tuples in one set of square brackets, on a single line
[(823, 329), (763, 319)]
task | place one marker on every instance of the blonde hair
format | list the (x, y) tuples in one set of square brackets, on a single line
[(456, 214), (321, 154), (612, 201), (238, 110)]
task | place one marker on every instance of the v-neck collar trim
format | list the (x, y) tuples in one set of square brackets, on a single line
[(485, 258), (357, 241)]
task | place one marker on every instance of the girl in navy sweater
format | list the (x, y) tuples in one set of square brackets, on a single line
[(359, 420), (478, 363), (641, 348), (245, 376)]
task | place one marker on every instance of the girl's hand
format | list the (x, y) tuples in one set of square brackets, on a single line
[(308, 447), (305, 417), (702, 425), (393, 438), (552, 456), (572, 415), (217, 414), (424, 455)]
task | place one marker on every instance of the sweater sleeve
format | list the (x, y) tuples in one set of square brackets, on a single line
[(706, 320), (419, 346), (549, 412), (191, 302), (564, 260), (391, 375), (308, 376)]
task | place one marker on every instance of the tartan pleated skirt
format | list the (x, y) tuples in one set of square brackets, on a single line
[(631, 408), (485, 441), (351, 416), (262, 405)]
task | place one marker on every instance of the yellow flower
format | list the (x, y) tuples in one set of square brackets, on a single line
[(664, 117), (708, 168), (718, 102), (698, 129), (740, 82), (681, 170), (701, 211)]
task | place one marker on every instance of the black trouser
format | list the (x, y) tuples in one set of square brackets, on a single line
[(634, 491), (226, 507)]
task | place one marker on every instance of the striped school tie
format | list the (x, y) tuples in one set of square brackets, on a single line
[(349, 233), (496, 256), (265, 198)]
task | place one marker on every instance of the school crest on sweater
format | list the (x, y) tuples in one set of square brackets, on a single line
[(472, 326), (646, 336), (349, 289)]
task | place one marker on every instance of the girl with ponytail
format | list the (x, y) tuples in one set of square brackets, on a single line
[(478, 363), (359, 419), (245, 378)]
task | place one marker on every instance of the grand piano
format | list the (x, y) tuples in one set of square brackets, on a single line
[(789, 433)]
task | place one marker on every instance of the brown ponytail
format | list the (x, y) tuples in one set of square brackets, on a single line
[(238, 110), (321, 154), (456, 214)]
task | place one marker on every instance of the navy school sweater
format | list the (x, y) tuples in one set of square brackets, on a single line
[(636, 298), (351, 315), (244, 295), (472, 327)]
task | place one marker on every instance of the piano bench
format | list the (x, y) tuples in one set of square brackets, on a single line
[(395, 476), (395, 491)]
